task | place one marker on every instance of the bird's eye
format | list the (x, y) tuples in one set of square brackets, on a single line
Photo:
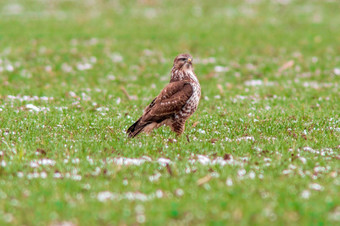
[(182, 59)]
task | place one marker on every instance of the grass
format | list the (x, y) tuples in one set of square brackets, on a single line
[(262, 148)]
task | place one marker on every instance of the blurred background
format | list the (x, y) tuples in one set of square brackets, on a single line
[(67, 45)]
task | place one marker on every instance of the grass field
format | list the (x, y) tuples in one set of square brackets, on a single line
[(262, 148)]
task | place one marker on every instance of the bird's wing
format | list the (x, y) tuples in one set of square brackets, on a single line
[(149, 107), (172, 98)]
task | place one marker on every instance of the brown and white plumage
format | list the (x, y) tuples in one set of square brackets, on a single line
[(176, 102)]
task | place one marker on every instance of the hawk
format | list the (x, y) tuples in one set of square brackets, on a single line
[(176, 102)]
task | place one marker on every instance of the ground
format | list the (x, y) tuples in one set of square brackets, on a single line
[(262, 148)]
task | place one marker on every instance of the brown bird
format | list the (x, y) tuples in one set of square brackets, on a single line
[(176, 102)]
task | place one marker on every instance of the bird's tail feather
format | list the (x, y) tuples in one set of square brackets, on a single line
[(136, 128)]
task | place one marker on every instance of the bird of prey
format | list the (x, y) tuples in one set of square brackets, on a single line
[(176, 102)]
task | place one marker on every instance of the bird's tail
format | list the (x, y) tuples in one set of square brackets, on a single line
[(136, 128)]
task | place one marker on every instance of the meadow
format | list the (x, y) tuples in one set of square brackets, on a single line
[(263, 148)]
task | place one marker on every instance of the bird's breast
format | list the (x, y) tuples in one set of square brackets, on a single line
[(192, 103)]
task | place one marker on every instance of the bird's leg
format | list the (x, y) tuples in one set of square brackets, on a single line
[(178, 127)]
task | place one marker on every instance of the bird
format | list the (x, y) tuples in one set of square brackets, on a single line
[(176, 102)]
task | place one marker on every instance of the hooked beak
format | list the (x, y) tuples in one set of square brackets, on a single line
[(188, 63)]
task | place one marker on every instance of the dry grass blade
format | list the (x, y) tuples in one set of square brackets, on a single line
[(204, 180), (195, 124), (286, 66), (168, 168), (127, 94)]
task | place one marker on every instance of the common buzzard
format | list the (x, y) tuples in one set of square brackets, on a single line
[(176, 102)]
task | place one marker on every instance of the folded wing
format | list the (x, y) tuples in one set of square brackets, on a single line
[(170, 101)]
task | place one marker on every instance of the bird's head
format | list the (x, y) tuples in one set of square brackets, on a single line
[(183, 62)]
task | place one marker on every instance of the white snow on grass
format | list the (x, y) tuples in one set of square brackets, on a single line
[(205, 160), (32, 107), (248, 138), (205, 61), (316, 187), (258, 83), (42, 162), (337, 71), (105, 196), (29, 98), (305, 194), (221, 69), (84, 66), (322, 152), (195, 159)]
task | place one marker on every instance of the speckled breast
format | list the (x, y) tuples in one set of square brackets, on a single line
[(190, 107)]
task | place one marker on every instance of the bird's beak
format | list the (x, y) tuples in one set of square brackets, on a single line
[(189, 60)]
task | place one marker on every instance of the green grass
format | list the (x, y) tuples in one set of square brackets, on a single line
[(275, 110)]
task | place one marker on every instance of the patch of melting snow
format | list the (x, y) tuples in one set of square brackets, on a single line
[(148, 52), (209, 60), (66, 68), (42, 162), (102, 109), (221, 68), (240, 97), (336, 129), (28, 98), (128, 161), (109, 196), (205, 160), (241, 172), (322, 152), (85, 97), (111, 77), (198, 159), (164, 161), (36, 175), (319, 169), (316, 187), (155, 177), (269, 138), (118, 100), (32, 107), (305, 194), (14, 9), (255, 98), (253, 83), (104, 196), (317, 85), (72, 94), (229, 182), (3, 163), (287, 171), (137, 161), (179, 192), (57, 175), (201, 131), (116, 57), (61, 108), (337, 71), (258, 83), (84, 66), (240, 139), (303, 159), (252, 175)]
